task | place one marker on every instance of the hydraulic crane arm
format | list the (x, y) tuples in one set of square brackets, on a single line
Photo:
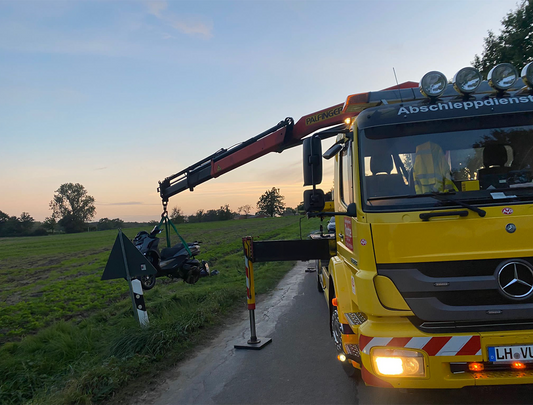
[(284, 135)]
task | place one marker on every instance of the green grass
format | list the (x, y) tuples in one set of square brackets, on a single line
[(68, 337)]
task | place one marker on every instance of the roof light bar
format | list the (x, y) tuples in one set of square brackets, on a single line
[(527, 74), (501, 77), (433, 84), (467, 80)]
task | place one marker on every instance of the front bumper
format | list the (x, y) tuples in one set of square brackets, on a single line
[(444, 357)]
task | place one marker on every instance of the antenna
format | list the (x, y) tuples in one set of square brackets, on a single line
[(397, 84)]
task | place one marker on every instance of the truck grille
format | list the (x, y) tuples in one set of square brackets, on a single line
[(459, 295)]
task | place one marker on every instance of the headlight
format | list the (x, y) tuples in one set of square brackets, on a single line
[(527, 74), (467, 80), (398, 363), (433, 84), (502, 76)]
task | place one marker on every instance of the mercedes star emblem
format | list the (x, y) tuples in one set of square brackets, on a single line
[(515, 279)]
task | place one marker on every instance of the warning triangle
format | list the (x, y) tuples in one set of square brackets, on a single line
[(138, 265)]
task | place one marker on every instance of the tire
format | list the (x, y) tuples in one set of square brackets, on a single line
[(336, 330), (148, 282), (336, 326)]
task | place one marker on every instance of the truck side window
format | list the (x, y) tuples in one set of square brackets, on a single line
[(346, 174)]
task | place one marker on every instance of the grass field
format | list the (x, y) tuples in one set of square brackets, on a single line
[(67, 337)]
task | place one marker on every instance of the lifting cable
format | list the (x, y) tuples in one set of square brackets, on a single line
[(168, 223)]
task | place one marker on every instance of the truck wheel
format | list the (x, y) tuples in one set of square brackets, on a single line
[(336, 329)]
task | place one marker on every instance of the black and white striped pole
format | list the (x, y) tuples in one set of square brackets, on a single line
[(136, 290), (125, 261), (138, 302)]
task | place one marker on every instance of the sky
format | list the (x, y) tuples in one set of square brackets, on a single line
[(118, 95)]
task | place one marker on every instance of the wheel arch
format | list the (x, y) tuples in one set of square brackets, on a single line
[(339, 286)]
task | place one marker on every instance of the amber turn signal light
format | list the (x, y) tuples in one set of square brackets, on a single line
[(518, 365), (476, 366)]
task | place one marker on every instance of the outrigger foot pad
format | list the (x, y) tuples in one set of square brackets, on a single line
[(258, 344)]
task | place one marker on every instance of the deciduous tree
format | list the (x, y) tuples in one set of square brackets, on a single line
[(271, 202), (50, 224), (106, 223), (73, 205), (224, 213), (514, 44), (26, 223), (3, 221), (13, 226), (290, 211), (177, 216), (246, 209)]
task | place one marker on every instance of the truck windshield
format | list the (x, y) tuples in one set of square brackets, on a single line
[(474, 160)]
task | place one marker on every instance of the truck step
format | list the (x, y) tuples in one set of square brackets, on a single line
[(352, 350), (355, 319)]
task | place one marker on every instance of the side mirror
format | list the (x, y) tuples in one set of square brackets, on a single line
[(351, 210), (332, 151), (312, 160), (314, 200)]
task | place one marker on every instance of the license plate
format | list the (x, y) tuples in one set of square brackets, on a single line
[(510, 353)]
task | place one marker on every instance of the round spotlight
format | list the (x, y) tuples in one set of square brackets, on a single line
[(433, 84), (527, 74), (467, 80), (502, 76)]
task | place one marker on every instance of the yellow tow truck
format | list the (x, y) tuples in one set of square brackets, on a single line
[(429, 280), (432, 282)]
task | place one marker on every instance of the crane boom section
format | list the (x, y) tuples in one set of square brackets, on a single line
[(284, 135)]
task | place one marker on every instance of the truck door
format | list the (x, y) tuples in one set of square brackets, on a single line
[(345, 224)]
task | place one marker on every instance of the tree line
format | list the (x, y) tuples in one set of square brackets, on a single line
[(25, 225), (19, 226), (72, 209), (270, 204)]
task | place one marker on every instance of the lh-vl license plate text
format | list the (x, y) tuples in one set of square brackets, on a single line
[(510, 353)]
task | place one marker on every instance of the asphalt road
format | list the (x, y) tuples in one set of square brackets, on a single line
[(298, 367)]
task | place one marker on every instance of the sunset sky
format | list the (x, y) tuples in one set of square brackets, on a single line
[(117, 95)]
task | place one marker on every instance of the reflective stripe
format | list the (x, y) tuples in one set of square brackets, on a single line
[(417, 342), (433, 346), (421, 176), (376, 342), (453, 346)]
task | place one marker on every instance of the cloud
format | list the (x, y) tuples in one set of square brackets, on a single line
[(156, 7), (187, 24), (192, 27)]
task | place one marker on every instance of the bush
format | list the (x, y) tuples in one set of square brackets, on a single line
[(39, 232)]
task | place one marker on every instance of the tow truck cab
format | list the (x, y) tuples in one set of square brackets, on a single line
[(432, 282)]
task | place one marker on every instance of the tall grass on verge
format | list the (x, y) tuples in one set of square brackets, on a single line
[(64, 353)]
